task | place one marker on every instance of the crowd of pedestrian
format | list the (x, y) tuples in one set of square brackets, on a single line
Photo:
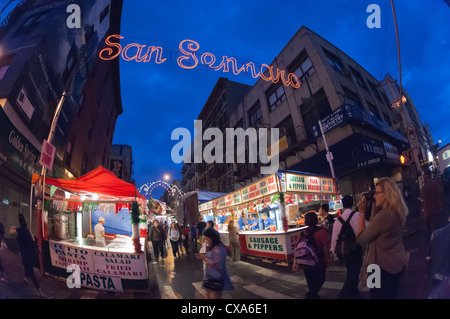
[(368, 239)]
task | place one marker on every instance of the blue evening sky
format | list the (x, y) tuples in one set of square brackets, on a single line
[(157, 98)]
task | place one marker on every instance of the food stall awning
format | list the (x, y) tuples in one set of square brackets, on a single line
[(99, 181)]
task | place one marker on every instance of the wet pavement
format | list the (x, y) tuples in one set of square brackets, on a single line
[(181, 278)]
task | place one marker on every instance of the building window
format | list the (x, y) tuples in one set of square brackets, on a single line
[(314, 110), (276, 96), (351, 97), (286, 128), (69, 152), (446, 155), (358, 78), (255, 114), (304, 70), (91, 130), (387, 119), (3, 70), (240, 124), (334, 61), (84, 164), (104, 13), (374, 90), (373, 109)]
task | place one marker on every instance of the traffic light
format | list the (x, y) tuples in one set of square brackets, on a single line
[(404, 158)]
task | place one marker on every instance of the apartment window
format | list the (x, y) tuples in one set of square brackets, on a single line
[(358, 78), (84, 164), (304, 70), (104, 13), (373, 109), (3, 70), (91, 130), (69, 152), (314, 110), (334, 61), (276, 96), (240, 123), (255, 114), (446, 155), (375, 90), (385, 99), (286, 128), (387, 119), (351, 97)]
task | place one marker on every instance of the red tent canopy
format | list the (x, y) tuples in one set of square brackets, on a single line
[(99, 181)]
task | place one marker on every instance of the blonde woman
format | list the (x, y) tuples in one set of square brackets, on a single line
[(384, 237), (233, 237)]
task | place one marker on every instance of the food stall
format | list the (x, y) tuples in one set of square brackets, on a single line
[(284, 197), (72, 208)]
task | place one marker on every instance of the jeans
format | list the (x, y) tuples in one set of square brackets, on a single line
[(388, 285), (353, 264), (158, 248), (175, 250)]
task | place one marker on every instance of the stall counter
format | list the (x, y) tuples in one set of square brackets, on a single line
[(111, 268), (277, 245)]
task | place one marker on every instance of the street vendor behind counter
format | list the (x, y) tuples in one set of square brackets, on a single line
[(99, 232), (253, 223), (242, 222), (268, 222)]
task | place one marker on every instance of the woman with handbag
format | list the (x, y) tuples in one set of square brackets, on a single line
[(27, 251), (216, 278)]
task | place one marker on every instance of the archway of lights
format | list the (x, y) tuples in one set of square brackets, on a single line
[(172, 189)]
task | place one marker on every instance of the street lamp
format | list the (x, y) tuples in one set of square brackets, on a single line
[(166, 177)]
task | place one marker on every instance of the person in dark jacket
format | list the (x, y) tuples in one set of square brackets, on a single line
[(27, 251), (156, 236)]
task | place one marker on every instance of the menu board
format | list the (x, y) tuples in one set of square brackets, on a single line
[(263, 187), (308, 184), (229, 200), (207, 206)]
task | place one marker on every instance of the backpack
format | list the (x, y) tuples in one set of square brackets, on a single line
[(346, 241), (305, 253)]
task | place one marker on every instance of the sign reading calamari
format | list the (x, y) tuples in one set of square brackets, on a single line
[(189, 59)]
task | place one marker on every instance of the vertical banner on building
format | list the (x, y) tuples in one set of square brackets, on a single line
[(47, 155)]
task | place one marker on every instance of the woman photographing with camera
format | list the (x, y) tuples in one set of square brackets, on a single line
[(384, 237)]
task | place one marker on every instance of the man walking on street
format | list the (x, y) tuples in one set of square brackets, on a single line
[(156, 236), (353, 260)]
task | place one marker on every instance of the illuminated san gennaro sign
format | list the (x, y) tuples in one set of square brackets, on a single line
[(189, 59)]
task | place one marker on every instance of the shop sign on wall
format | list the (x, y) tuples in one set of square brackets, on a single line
[(261, 188), (308, 184)]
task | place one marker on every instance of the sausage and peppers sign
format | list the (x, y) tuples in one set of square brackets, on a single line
[(189, 59)]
